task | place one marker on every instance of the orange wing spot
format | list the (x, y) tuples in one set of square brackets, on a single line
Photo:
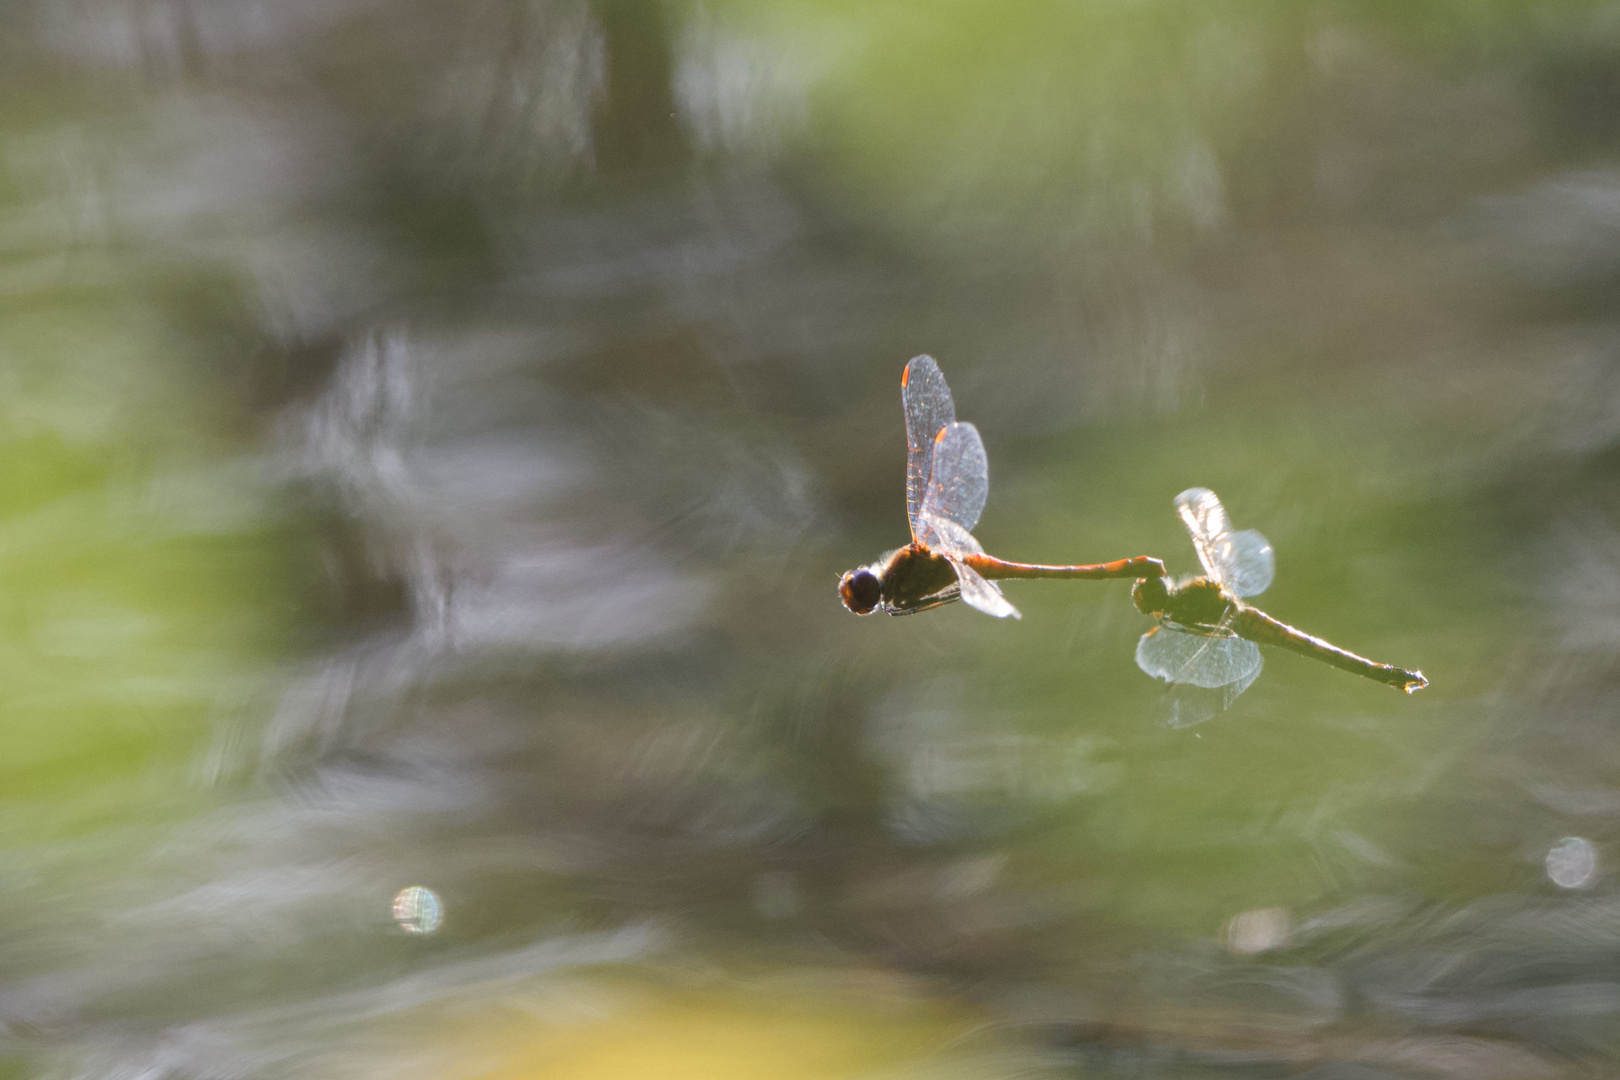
[(942, 432), (905, 377)]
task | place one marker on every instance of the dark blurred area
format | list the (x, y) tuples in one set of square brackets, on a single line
[(431, 434)]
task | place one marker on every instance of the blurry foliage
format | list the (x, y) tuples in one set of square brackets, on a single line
[(1049, 125), (791, 1030), (139, 586)]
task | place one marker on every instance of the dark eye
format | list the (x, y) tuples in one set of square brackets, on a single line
[(860, 591), (1151, 595)]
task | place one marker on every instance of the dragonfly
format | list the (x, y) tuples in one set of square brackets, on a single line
[(1207, 635), (947, 482)]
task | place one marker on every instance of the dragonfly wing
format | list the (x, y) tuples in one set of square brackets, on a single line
[(1247, 562), (1199, 660), (1201, 511), (982, 594), (945, 537), (1246, 663), (927, 402), (1164, 653), (959, 479), (1191, 705), (1242, 561)]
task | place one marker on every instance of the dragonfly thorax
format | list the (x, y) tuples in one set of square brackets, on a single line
[(914, 577), (905, 580), (1201, 602), (1193, 602)]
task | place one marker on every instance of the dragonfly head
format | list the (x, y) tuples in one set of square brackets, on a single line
[(1151, 595), (860, 591)]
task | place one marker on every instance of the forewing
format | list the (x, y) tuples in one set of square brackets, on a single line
[(1206, 521), (1199, 660), (1242, 561), (982, 594), (928, 408), (959, 481)]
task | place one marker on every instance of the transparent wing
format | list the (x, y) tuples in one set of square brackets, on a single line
[(1242, 561), (1248, 564), (982, 594), (1195, 659), (928, 408), (944, 536), (959, 480), (1189, 705)]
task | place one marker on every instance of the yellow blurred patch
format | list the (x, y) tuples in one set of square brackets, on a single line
[(784, 1036)]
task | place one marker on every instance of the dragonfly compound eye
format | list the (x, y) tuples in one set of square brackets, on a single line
[(1151, 595), (860, 591)]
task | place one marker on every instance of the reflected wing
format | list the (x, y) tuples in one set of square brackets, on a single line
[(1242, 561), (1211, 662), (928, 408), (959, 480), (982, 594), (1189, 705)]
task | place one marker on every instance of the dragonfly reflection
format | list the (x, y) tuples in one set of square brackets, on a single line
[(1207, 635), (947, 481)]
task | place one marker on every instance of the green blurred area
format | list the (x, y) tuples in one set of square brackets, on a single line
[(142, 579), (1046, 127)]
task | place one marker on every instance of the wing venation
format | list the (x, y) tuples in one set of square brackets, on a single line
[(1199, 660), (1242, 561), (981, 593), (945, 537), (928, 408), (959, 478)]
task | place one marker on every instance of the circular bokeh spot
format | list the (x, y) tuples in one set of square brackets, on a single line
[(1572, 863), (418, 910)]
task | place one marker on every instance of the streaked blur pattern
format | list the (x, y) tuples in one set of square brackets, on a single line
[(430, 434)]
